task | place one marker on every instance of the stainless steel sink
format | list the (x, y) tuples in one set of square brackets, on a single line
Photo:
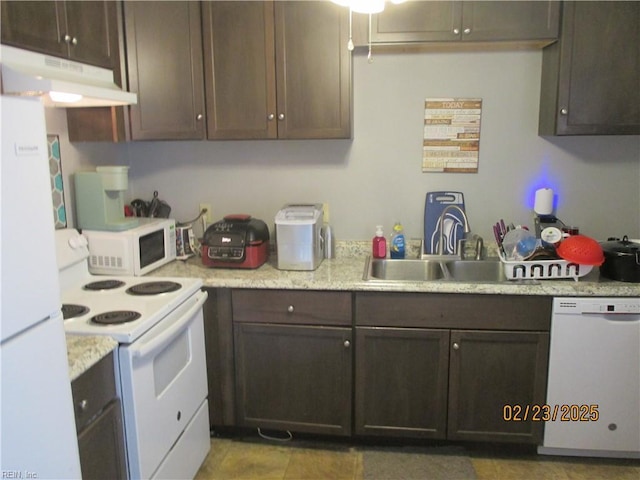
[(403, 270), (437, 269), (486, 271)]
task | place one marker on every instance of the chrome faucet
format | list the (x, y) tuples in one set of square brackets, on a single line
[(441, 227)]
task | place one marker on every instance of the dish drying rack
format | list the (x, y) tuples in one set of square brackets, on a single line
[(543, 269)]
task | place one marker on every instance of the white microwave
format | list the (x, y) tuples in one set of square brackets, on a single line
[(135, 251)]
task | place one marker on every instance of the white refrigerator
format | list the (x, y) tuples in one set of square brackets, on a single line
[(37, 425)]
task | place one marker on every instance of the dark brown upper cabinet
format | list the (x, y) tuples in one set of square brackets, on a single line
[(591, 77), (277, 70), (80, 31), (450, 21), (164, 65)]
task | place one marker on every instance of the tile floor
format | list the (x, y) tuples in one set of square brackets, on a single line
[(252, 458)]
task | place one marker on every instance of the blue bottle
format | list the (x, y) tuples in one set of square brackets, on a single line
[(397, 247)]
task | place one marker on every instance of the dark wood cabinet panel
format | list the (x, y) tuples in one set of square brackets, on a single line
[(218, 338), (277, 70), (313, 70), (101, 446), (510, 312), (490, 370), (591, 77), (446, 383), (473, 21), (401, 379), (239, 59), (503, 21), (292, 307), (99, 424), (80, 31), (37, 26), (295, 378), (164, 60)]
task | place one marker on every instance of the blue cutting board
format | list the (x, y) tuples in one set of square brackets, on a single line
[(434, 206)]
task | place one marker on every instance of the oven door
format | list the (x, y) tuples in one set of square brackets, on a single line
[(162, 385)]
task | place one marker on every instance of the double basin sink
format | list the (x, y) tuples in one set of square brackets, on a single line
[(452, 269)]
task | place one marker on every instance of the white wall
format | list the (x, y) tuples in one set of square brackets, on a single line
[(376, 178)]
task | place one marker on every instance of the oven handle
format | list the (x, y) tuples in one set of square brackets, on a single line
[(166, 336)]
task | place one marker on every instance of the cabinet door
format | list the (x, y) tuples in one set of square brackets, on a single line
[(313, 70), (218, 341), (591, 78), (417, 22), (239, 59), (294, 378), (488, 370), (401, 382), (467, 21), (516, 20), (101, 446), (91, 24), (37, 26), (164, 59)]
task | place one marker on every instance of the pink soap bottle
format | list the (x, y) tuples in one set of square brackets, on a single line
[(379, 244)]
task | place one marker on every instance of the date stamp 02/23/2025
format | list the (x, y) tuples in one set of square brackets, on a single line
[(550, 413)]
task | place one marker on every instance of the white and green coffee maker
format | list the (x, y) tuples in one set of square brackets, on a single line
[(100, 199)]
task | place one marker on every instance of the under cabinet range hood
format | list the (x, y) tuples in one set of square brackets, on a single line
[(58, 81)]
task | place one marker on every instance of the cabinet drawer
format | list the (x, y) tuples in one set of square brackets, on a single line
[(499, 312), (292, 306), (93, 390)]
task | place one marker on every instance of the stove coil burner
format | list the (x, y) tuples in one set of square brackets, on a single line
[(153, 288), (116, 317), (72, 311), (104, 285)]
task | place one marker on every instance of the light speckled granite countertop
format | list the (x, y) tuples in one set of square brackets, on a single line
[(85, 351), (345, 272)]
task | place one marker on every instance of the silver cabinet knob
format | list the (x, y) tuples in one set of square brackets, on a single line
[(271, 116), (456, 346), (564, 111), (456, 31), (74, 41), (66, 38), (466, 31), (290, 309), (347, 344), (83, 405), (281, 116), (199, 116)]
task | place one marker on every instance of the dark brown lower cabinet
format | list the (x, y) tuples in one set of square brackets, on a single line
[(488, 371), (101, 447), (432, 383), (99, 423), (401, 382), (420, 373), (291, 377)]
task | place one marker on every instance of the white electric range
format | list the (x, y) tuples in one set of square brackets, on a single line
[(160, 360)]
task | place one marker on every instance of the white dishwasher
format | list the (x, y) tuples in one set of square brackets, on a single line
[(593, 392)]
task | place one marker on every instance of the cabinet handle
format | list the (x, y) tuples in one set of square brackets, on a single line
[(290, 309), (347, 344), (456, 31), (271, 116), (74, 41), (456, 346), (199, 116), (281, 116), (83, 405), (66, 38), (466, 31), (564, 111)]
